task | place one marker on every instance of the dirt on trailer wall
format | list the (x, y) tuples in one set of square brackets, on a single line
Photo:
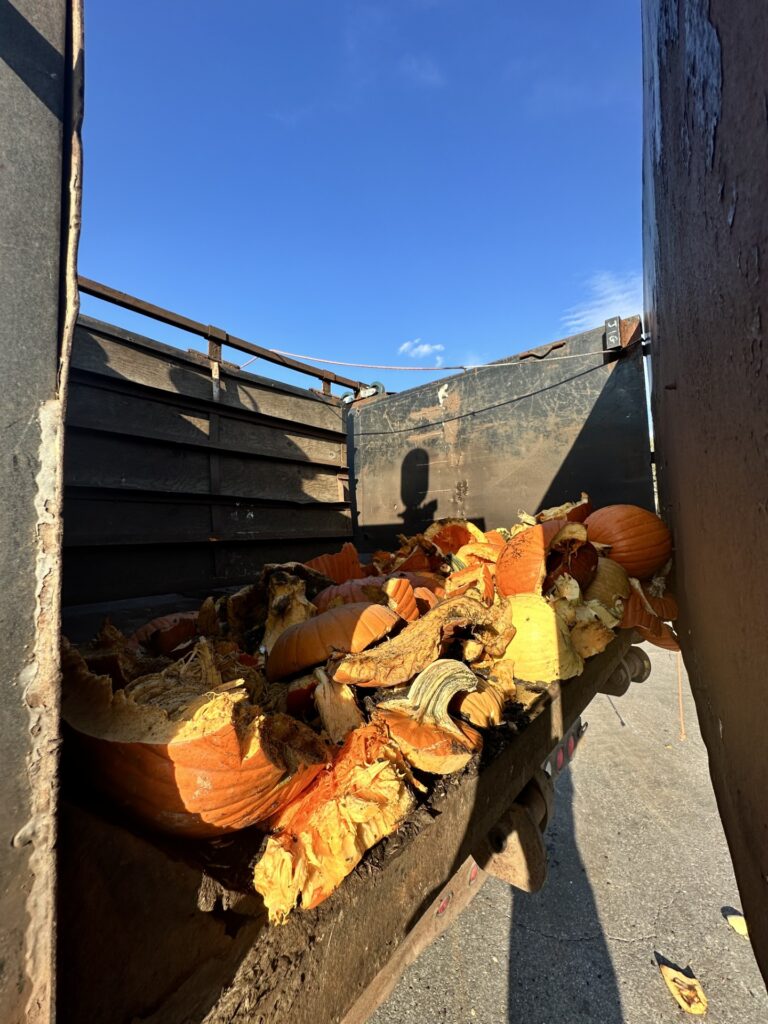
[(705, 245)]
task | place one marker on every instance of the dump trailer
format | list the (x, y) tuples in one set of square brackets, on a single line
[(142, 477)]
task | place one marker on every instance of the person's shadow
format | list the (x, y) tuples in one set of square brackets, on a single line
[(414, 487)]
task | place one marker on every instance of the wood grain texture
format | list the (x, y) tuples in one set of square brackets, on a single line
[(705, 242)]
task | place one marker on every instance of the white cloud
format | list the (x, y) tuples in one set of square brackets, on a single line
[(418, 349), (608, 295), (422, 70)]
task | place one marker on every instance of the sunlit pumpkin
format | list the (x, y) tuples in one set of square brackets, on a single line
[(320, 837), (420, 723), (611, 584), (348, 628), (341, 566), (367, 589), (401, 599), (639, 541), (451, 534), (522, 565), (185, 750), (476, 554), (166, 632), (541, 649), (475, 580), (484, 707)]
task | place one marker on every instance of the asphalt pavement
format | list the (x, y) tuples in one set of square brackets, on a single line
[(638, 863)]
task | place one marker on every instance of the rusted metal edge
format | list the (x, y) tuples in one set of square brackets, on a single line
[(214, 335)]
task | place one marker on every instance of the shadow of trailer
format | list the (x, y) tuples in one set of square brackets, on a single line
[(183, 475)]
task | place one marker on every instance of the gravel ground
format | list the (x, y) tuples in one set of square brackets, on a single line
[(637, 862)]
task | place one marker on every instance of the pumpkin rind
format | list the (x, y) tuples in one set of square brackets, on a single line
[(342, 566), (640, 542), (350, 628), (522, 565), (451, 534), (192, 764)]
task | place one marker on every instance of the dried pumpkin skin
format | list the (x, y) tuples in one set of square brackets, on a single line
[(350, 627), (420, 723), (184, 749), (321, 836), (398, 660)]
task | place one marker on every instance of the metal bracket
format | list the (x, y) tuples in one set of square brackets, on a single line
[(514, 849)]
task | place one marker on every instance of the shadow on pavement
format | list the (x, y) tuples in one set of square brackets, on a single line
[(560, 968)]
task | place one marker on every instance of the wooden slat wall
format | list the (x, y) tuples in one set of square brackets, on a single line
[(171, 486)]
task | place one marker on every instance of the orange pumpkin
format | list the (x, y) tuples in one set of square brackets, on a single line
[(425, 599), (349, 628), (649, 612), (342, 566), (522, 565), (476, 554), (322, 836), (666, 638), (186, 751), (401, 598), (638, 539), (367, 589), (476, 579), (163, 634), (451, 534)]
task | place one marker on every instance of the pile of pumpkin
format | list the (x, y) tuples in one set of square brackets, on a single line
[(317, 701)]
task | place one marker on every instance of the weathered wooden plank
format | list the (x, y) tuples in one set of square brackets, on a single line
[(112, 521), (97, 574), (97, 352), (105, 460), (483, 444), (92, 406)]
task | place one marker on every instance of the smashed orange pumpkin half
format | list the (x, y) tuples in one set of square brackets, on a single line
[(322, 836), (185, 750), (348, 628), (522, 564), (341, 566), (451, 534)]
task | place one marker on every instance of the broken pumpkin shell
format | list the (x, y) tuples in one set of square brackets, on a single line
[(420, 725), (475, 580), (398, 660), (288, 605), (573, 511), (166, 632), (541, 650), (337, 707), (451, 534), (321, 836), (350, 628), (184, 750), (425, 599), (484, 707), (476, 554), (341, 566), (521, 566), (401, 599), (609, 585), (639, 539), (367, 589)]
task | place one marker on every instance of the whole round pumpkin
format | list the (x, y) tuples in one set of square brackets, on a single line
[(640, 542), (349, 628)]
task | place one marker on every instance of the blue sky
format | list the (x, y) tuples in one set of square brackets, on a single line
[(406, 182)]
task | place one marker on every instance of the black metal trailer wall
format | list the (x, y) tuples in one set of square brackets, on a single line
[(705, 246), (526, 433)]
